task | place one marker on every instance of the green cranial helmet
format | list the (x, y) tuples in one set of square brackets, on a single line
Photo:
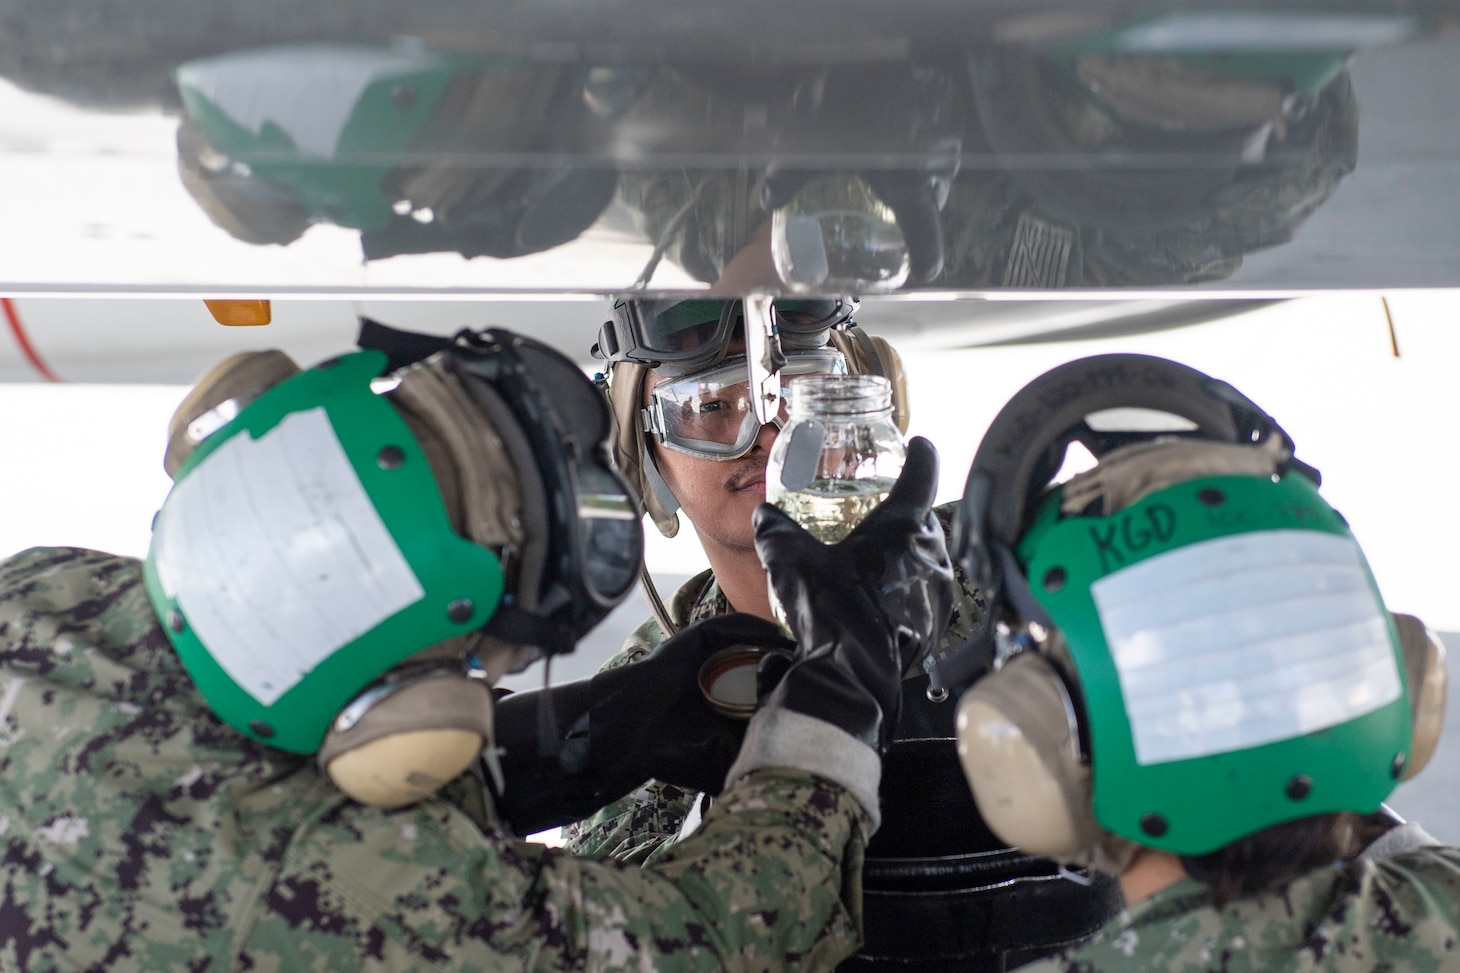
[(1218, 650), (320, 535), (305, 550)]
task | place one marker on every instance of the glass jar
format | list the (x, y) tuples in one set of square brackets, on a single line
[(837, 457), (835, 235)]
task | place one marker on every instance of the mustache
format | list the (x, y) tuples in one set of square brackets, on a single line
[(747, 470)]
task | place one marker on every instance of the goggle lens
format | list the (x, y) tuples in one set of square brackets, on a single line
[(711, 415), (794, 315), (680, 330), (683, 327)]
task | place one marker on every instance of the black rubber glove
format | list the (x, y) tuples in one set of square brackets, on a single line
[(647, 720), (866, 610)]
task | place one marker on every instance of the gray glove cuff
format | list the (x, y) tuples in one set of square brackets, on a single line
[(784, 738), (1397, 841)]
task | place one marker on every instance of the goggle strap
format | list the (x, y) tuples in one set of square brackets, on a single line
[(968, 546), (966, 664), (1017, 589), (864, 341), (522, 627), (975, 657)]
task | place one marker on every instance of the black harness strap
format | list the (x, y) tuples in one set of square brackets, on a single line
[(401, 348)]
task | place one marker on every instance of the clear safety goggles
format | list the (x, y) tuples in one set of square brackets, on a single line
[(711, 414), (679, 336)]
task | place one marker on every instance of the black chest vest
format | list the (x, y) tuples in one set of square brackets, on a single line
[(941, 892)]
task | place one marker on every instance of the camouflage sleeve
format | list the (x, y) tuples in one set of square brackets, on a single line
[(638, 828), (968, 602), (769, 882), (141, 833), (1400, 915)]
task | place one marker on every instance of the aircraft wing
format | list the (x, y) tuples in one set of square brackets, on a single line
[(453, 150)]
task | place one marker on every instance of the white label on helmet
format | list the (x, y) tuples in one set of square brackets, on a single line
[(276, 555), (1245, 640), (310, 93)]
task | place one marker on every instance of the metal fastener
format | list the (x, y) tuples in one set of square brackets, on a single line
[(1299, 787), (1153, 825), (390, 458), (1054, 579)]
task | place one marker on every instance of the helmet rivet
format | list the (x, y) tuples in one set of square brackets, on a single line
[(390, 458), (936, 694), (1299, 787), (1397, 767), (1153, 825), (404, 97), (1212, 497), (1054, 579), (260, 729), (328, 363), (175, 620), (460, 610)]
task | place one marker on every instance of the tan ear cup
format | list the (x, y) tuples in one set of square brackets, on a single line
[(410, 742), (1019, 747), (892, 369), (218, 396), (1424, 669), (630, 446), (247, 207), (870, 355)]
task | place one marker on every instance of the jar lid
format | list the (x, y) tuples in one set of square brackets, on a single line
[(727, 680)]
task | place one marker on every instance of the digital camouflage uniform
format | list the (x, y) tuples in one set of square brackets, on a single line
[(141, 833), (642, 827), (1395, 915)]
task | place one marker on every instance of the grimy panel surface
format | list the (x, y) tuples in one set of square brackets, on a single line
[(983, 147)]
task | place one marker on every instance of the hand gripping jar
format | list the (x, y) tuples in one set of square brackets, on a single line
[(837, 457)]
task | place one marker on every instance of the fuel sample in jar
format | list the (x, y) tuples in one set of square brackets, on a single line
[(836, 459)]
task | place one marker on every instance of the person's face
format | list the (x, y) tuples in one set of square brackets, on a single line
[(718, 496)]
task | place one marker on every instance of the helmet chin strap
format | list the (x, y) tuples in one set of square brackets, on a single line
[(657, 484), (646, 580)]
